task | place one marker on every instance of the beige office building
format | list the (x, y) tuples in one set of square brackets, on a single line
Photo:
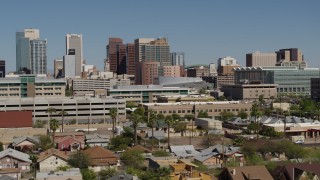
[(213, 109), (250, 91), (259, 59)]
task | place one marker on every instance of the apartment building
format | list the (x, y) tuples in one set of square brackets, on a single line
[(249, 91)]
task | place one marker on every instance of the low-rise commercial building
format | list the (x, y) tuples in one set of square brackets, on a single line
[(291, 80), (213, 109), (184, 98), (31, 86), (208, 123), (81, 109), (249, 91), (144, 93)]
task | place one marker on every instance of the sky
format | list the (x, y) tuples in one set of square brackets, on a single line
[(204, 29)]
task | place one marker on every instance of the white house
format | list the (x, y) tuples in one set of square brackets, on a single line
[(51, 159)]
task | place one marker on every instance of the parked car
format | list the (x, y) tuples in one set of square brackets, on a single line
[(299, 142)]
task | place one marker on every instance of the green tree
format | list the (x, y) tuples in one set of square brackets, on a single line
[(79, 160), (132, 158), (169, 121), (211, 139), (38, 124), (180, 127), (34, 159), (255, 111), (225, 116), (62, 113), (160, 153), (54, 125), (243, 114), (73, 121), (88, 174), (107, 173), (131, 104), (44, 142), (113, 115), (120, 143), (62, 168), (176, 117), (203, 114), (239, 141), (152, 117)]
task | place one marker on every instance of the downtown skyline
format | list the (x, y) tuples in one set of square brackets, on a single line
[(204, 31)]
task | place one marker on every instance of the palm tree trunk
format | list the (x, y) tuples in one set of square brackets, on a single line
[(113, 124), (53, 136), (152, 138), (62, 121), (168, 136), (135, 135)]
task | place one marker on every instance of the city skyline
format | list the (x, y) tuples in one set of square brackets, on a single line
[(204, 31)]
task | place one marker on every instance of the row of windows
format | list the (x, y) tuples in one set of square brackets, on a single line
[(203, 110)]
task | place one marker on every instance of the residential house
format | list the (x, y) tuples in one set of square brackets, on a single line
[(245, 173), (24, 143), (70, 141), (97, 140), (145, 152), (11, 158), (227, 152), (185, 151), (159, 162), (10, 174), (101, 158), (184, 170), (50, 159), (73, 173), (298, 171)]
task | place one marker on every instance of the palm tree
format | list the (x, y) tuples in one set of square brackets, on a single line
[(113, 114), (54, 125), (190, 117), (151, 120), (255, 111), (50, 111), (63, 113), (169, 120), (136, 117)]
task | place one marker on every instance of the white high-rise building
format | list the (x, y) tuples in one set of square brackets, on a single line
[(227, 61), (31, 52), (69, 66), (74, 47)]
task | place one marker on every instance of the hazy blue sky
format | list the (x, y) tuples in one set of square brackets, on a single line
[(204, 29)]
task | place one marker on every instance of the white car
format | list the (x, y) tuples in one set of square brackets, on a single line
[(299, 142)]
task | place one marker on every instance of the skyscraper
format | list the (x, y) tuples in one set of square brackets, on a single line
[(130, 63), (31, 52), (258, 59), (177, 59), (74, 47), (292, 54), (38, 56), (2, 68), (112, 55), (58, 68)]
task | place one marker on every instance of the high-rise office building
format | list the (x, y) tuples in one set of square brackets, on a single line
[(38, 56), (130, 63), (178, 59), (292, 54), (69, 66), (112, 55), (58, 68), (259, 59), (31, 52), (74, 47), (226, 65), (2, 68), (156, 51)]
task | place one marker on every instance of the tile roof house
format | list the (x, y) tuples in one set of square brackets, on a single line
[(24, 143), (70, 141), (145, 152), (183, 170), (185, 151), (245, 173), (101, 158), (50, 159), (97, 140), (297, 171), (10, 174), (11, 158)]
